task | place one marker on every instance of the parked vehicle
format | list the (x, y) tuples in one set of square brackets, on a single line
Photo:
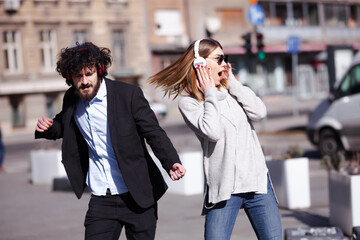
[(335, 123)]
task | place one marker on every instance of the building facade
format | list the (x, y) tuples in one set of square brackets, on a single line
[(34, 31), (315, 24), (147, 35)]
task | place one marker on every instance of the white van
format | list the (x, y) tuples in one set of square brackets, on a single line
[(335, 123)]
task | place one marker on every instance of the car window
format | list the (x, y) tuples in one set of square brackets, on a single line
[(350, 84), (355, 77), (343, 90)]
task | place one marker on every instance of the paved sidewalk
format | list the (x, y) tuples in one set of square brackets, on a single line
[(31, 212)]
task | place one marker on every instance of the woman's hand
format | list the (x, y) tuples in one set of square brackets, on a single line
[(228, 70), (205, 79)]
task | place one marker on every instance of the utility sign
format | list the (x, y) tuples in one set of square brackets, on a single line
[(293, 44), (256, 14)]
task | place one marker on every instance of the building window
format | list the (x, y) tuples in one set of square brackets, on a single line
[(48, 49), (18, 110), (268, 14), (354, 19), (335, 15), (304, 14), (119, 49), (281, 13), (290, 14), (298, 14), (168, 23), (12, 51), (231, 19), (275, 13), (79, 36), (313, 14)]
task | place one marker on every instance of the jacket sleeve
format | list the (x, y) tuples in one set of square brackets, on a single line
[(56, 130), (148, 126), (252, 104), (203, 117)]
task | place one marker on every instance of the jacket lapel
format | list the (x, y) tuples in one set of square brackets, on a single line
[(112, 111)]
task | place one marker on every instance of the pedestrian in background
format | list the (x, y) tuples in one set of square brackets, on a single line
[(220, 110), (2, 152), (104, 125)]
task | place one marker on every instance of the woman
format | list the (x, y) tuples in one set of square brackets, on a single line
[(219, 109)]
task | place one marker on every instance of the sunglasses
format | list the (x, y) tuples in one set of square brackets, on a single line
[(221, 58)]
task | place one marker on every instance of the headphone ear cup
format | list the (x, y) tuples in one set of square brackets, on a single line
[(99, 70), (199, 61)]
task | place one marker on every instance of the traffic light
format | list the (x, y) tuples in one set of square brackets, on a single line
[(247, 43), (261, 55)]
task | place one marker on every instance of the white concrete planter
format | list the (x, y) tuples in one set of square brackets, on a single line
[(193, 182), (344, 200), (45, 166), (291, 182)]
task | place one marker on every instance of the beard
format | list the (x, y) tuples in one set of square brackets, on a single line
[(89, 94)]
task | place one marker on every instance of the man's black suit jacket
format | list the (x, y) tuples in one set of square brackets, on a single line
[(131, 121)]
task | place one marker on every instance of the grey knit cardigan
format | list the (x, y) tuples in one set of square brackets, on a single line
[(232, 155)]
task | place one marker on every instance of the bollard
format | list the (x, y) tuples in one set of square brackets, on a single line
[(356, 233)]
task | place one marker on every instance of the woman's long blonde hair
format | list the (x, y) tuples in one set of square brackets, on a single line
[(180, 76)]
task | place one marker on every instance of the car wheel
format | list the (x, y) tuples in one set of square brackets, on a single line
[(329, 142)]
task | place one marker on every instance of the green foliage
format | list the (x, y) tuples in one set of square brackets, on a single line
[(293, 152), (335, 161), (343, 162)]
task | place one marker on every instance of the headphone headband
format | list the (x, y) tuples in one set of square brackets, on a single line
[(196, 48), (100, 67), (198, 60)]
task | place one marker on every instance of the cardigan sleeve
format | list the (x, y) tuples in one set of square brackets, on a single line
[(252, 104), (203, 117)]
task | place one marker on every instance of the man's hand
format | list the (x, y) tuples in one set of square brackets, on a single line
[(177, 171), (43, 124)]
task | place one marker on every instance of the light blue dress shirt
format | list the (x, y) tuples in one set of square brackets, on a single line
[(104, 172)]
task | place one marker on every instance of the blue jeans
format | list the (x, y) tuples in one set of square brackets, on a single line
[(261, 209)]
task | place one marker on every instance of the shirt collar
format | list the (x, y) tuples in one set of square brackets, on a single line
[(101, 94)]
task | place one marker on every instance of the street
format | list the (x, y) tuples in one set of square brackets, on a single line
[(33, 212)]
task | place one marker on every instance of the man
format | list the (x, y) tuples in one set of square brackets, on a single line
[(104, 125)]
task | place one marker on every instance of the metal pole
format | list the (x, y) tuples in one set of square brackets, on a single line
[(294, 58)]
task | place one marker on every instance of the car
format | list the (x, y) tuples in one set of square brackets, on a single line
[(334, 125)]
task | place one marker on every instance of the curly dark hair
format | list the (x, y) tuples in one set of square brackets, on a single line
[(73, 60)]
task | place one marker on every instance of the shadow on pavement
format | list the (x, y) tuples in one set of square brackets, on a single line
[(299, 128), (307, 218), (313, 154)]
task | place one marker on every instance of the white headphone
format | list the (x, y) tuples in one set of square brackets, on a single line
[(198, 60)]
